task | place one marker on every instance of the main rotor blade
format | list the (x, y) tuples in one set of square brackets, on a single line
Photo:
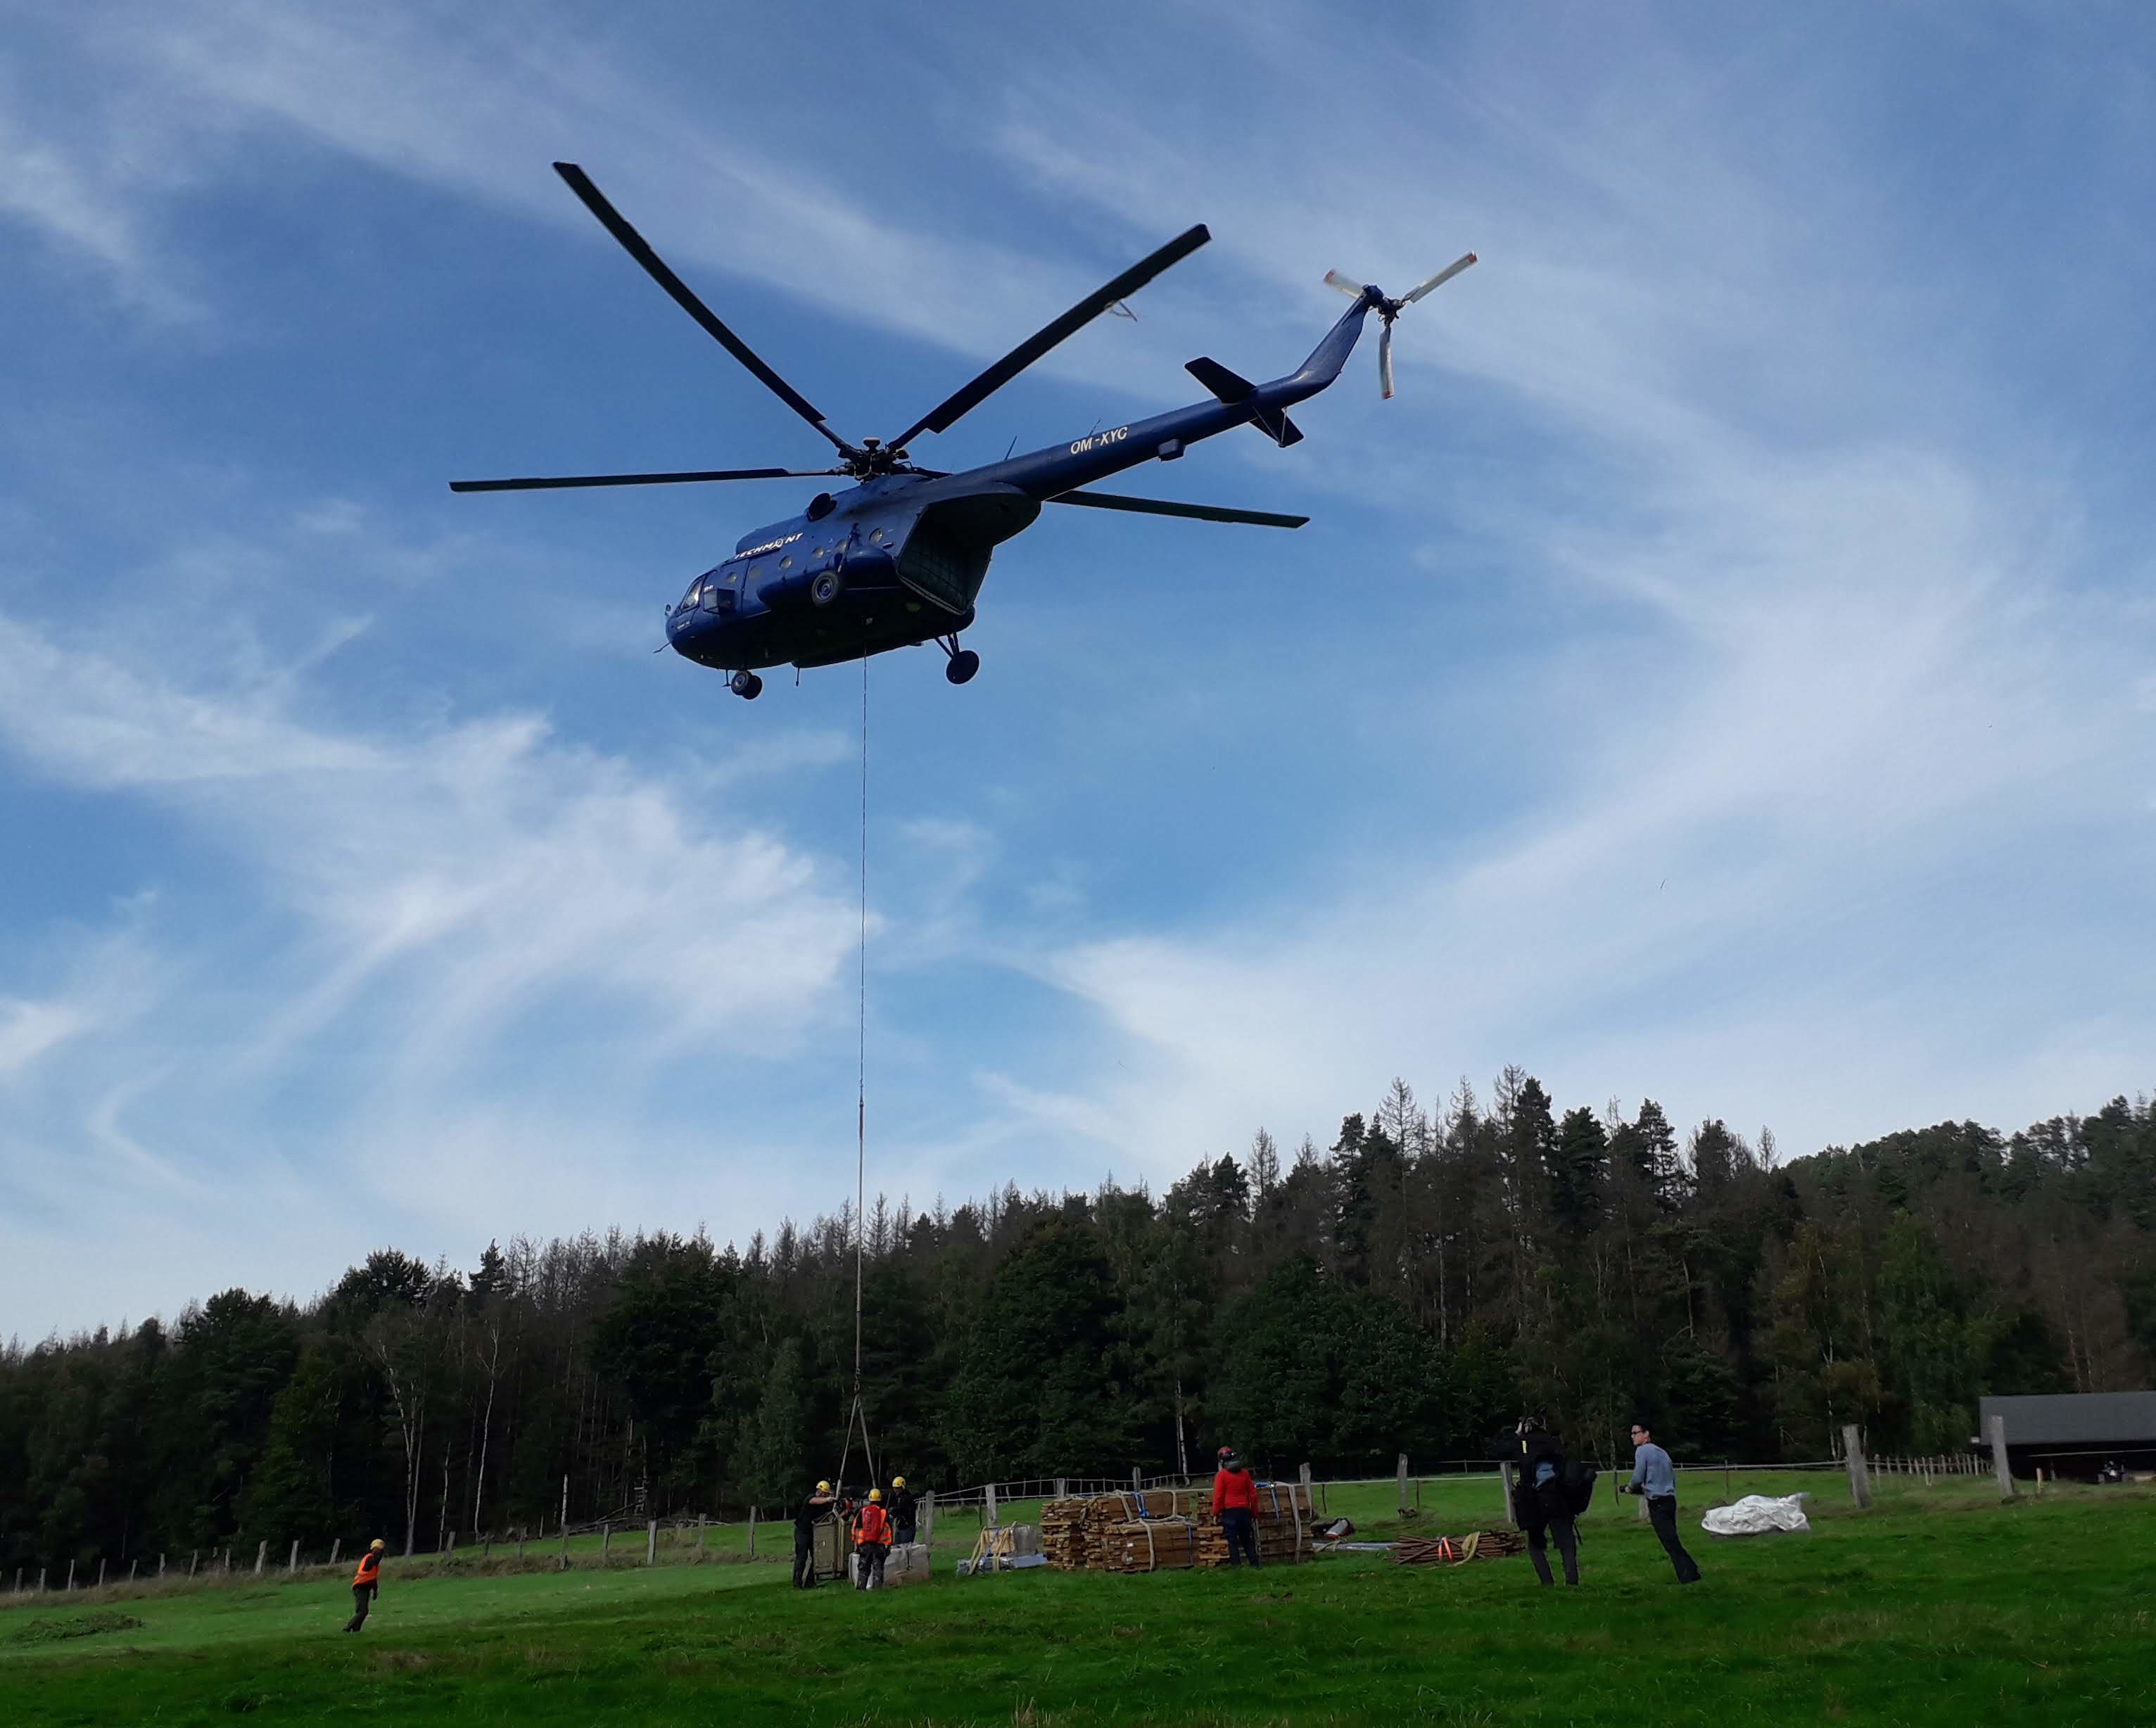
[(942, 417), (655, 267), (539, 484), (1196, 512), (1439, 280)]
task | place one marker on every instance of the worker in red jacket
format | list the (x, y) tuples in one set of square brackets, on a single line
[(1235, 1498), (871, 1542)]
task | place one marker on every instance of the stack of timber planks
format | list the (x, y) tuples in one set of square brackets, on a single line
[(1167, 1529)]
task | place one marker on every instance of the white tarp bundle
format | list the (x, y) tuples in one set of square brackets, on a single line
[(1756, 1515)]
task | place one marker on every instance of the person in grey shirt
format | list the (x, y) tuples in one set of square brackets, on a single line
[(1653, 1476)]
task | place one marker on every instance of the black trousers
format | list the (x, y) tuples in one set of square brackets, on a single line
[(1242, 1533), (1662, 1514), (1568, 1548), (360, 1593), (903, 1532), (805, 1560)]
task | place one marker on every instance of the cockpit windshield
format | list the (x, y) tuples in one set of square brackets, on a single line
[(690, 599)]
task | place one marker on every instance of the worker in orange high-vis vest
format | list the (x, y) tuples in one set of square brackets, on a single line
[(366, 1583), (871, 1542)]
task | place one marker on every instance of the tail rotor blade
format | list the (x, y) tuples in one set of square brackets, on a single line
[(1353, 290), (1385, 361), (1439, 280)]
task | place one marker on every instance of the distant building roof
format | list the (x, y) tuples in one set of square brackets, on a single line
[(2088, 1418)]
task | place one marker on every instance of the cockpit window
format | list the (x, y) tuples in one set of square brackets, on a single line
[(690, 599)]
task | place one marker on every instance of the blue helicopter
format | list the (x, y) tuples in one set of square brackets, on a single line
[(898, 558)]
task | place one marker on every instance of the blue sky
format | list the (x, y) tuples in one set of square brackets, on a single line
[(1726, 673)]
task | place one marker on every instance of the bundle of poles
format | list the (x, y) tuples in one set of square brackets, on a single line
[(1458, 1551)]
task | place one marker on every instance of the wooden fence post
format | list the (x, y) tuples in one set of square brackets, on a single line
[(292, 1560), (928, 1517), (1504, 1487), (1063, 1488), (700, 1538), (193, 1554), (335, 1548), (752, 1532), (565, 1544), (1402, 1473), (1138, 1481), (71, 1574), (606, 1544), (1998, 1467), (161, 1565), (651, 1543), (41, 1580), (1860, 1477), (100, 1571), (1309, 1499), (989, 1517)]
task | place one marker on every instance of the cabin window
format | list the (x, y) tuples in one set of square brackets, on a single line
[(786, 563)]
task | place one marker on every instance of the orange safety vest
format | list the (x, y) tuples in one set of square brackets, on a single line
[(873, 1526), (370, 1564)]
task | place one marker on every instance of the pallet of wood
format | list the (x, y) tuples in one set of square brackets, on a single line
[(1149, 1545), (1066, 1536)]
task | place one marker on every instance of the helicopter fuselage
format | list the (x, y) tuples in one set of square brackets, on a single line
[(899, 559)]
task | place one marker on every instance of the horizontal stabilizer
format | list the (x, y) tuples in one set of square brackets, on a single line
[(1229, 387), (1232, 388)]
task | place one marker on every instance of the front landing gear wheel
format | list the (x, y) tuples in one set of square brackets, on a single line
[(746, 685), (963, 664)]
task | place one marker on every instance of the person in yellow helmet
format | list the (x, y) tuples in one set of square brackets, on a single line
[(904, 1510), (871, 1542), (366, 1583), (811, 1513)]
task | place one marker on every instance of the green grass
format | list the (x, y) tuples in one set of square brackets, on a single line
[(1940, 1606)]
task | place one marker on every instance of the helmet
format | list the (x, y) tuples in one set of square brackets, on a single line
[(822, 1488), (379, 1543), (876, 1496), (898, 1481), (1225, 1452)]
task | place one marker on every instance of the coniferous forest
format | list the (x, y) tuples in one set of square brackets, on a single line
[(1409, 1287)]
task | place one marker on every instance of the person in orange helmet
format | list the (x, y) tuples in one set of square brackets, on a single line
[(366, 1583), (871, 1542)]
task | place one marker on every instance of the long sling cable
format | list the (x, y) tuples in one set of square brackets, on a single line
[(858, 1412)]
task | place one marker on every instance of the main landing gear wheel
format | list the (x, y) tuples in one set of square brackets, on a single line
[(827, 587), (746, 685), (963, 665)]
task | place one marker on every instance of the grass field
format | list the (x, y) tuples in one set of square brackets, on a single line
[(1938, 1607)]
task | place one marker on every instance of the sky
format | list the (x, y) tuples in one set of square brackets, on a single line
[(1725, 674)]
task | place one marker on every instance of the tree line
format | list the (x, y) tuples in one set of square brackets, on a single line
[(1412, 1287)]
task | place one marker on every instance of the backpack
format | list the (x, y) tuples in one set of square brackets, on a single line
[(1576, 1482)]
